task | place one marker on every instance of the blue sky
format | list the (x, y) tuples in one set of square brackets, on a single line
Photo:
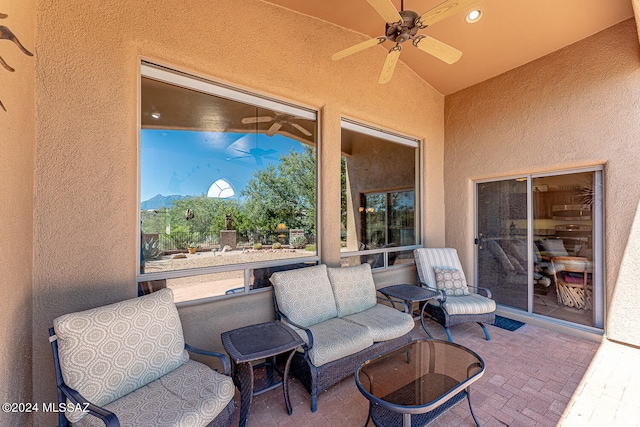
[(188, 162)]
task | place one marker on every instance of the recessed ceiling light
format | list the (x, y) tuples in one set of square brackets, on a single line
[(155, 115), (474, 16)]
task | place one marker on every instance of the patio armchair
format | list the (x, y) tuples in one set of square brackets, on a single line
[(440, 269), (127, 364)]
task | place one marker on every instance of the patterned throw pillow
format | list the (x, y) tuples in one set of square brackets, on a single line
[(451, 281)]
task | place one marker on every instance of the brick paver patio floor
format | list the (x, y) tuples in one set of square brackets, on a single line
[(533, 377)]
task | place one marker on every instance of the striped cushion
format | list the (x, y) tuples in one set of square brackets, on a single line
[(428, 258), (383, 323), (468, 304)]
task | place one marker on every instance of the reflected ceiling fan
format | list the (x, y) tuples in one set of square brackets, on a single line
[(278, 120), (256, 152), (403, 26)]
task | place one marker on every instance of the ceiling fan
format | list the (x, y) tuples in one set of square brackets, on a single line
[(278, 121), (403, 26)]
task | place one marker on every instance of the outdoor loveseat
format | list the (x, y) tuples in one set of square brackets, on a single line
[(127, 364), (335, 311)]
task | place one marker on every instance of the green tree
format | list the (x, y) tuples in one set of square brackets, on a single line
[(284, 194), (209, 214)]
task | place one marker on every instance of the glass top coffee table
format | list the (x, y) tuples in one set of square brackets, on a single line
[(415, 383)]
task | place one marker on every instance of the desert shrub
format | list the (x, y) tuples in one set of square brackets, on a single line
[(298, 242), (151, 249)]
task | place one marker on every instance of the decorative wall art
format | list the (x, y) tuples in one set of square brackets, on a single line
[(7, 34)]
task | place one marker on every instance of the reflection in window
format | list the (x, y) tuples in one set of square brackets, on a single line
[(226, 179), (389, 219), (379, 206)]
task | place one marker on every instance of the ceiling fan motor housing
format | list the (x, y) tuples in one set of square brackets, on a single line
[(400, 32)]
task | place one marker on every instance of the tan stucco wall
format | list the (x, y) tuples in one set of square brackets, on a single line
[(17, 138), (86, 152), (636, 13), (578, 106)]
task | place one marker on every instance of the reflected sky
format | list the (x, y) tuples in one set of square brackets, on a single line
[(188, 162)]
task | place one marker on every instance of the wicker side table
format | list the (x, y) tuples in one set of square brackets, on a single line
[(256, 342)]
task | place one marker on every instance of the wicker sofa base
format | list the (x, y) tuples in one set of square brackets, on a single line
[(317, 379), (224, 418), (447, 320)]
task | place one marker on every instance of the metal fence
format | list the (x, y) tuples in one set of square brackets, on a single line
[(183, 240), (207, 241)]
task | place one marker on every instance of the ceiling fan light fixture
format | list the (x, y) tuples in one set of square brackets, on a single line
[(474, 16), (403, 25)]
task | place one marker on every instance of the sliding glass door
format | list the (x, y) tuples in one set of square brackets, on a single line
[(539, 244), (502, 223)]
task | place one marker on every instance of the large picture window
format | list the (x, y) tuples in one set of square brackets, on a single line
[(380, 220), (228, 185)]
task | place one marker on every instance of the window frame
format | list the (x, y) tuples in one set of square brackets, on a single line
[(177, 77), (393, 137)]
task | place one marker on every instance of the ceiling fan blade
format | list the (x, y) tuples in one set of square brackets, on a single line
[(390, 64), (357, 48), (386, 9), (241, 151), (275, 127), (440, 50), (301, 129), (444, 10), (252, 120)]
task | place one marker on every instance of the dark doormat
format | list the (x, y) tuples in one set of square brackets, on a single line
[(508, 324)]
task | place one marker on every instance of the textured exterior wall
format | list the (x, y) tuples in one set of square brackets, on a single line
[(636, 13), (17, 138), (576, 107), (86, 152)]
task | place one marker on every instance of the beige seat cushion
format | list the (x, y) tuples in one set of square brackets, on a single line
[(110, 351), (353, 288), (383, 322), (304, 295), (468, 304), (334, 339), (190, 396)]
